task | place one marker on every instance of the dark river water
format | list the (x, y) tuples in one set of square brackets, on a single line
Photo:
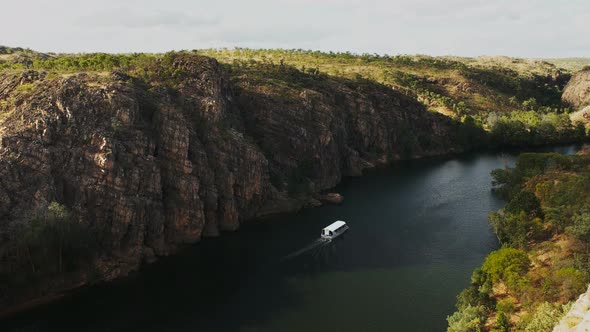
[(417, 230)]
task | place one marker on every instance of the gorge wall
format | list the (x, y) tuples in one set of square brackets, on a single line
[(152, 164)]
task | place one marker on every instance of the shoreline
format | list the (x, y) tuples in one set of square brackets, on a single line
[(15, 310)]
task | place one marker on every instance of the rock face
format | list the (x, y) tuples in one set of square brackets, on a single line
[(577, 91), (578, 318), (150, 167)]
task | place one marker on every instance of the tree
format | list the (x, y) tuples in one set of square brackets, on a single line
[(570, 282), (507, 265), (474, 295), (581, 227), (544, 132), (515, 229), (525, 201), (546, 317), (502, 322), (55, 241), (580, 131), (460, 108), (581, 230), (470, 319), (510, 132), (513, 100), (506, 305), (60, 224), (530, 104), (506, 181)]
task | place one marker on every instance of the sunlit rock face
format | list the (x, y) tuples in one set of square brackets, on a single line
[(577, 91)]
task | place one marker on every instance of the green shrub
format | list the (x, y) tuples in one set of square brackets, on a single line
[(570, 282), (474, 296), (56, 240), (515, 229), (532, 127), (470, 319), (546, 316), (506, 305), (508, 265), (502, 322), (52, 242), (25, 87), (525, 201), (581, 226)]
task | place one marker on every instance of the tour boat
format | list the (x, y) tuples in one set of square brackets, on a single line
[(334, 230)]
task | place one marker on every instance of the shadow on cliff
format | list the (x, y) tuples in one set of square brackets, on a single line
[(403, 217), (414, 226)]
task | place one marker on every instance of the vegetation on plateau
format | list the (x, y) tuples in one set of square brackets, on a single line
[(544, 261), (517, 101)]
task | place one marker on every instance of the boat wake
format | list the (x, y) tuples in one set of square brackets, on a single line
[(313, 246)]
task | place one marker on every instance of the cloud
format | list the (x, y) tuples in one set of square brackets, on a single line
[(452, 12), (276, 35), (134, 19), (526, 28)]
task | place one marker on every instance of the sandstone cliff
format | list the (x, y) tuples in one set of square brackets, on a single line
[(577, 91), (152, 163)]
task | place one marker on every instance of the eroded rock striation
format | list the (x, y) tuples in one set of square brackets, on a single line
[(150, 165)]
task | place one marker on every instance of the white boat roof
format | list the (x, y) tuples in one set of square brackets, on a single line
[(335, 225)]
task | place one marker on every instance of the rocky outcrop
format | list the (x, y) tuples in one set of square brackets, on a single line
[(333, 198), (153, 164), (582, 116), (578, 318), (577, 92)]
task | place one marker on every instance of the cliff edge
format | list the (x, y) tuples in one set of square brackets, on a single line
[(578, 318)]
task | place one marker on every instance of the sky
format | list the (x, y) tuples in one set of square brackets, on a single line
[(522, 28)]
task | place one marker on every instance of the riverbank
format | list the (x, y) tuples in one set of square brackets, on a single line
[(242, 274), (567, 149), (543, 264)]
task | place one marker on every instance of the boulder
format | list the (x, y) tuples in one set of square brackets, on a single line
[(332, 198), (577, 92)]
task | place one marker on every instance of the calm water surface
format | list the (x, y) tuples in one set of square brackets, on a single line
[(417, 230)]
